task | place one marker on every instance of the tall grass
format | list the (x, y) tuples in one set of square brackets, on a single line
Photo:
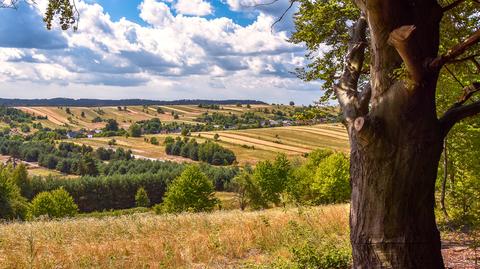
[(223, 239)]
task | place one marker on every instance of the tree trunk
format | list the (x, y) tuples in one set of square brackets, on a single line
[(396, 142), (392, 208)]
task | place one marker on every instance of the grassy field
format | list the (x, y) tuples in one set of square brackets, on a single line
[(250, 146), (59, 118), (223, 239)]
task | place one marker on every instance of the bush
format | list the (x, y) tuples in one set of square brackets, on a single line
[(272, 178), (12, 204), (332, 180), (154, 141), (112, 125), (191, 192), (141, 198), (54, 204), (135, 130), (322, 179), (325, 257)]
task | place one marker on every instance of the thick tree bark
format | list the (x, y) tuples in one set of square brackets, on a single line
[(397, 141), (393, 182)]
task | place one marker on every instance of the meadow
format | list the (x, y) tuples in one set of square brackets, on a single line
[(273, 238), (223, 239)]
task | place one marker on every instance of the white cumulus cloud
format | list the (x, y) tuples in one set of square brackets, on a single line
[(176, 56), (193, 7)]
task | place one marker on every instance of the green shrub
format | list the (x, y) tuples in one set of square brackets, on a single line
[(54, 204), (12, 204), (272, 178), (332, 180), (308, 256), (135, 130), (141, 198), (192, 191), (154, 141)]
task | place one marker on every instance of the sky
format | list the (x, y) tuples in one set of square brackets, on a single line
[(155, 49)]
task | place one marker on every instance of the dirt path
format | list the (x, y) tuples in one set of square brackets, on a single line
[(459, 252)]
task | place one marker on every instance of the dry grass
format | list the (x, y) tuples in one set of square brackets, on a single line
[(224, 239)]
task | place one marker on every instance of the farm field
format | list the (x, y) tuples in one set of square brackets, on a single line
[(57, 117), (223, 239), (250, 146)]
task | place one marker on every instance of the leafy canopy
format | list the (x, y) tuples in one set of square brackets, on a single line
[(192, 191)]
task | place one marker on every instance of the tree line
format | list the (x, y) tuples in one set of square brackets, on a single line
[(208, 151)]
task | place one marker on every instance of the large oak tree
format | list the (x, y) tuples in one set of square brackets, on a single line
[(392, 53)]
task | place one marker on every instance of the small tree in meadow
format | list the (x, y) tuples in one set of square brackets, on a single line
[(135, 130), (154, 141), (192, 191), (54, 204), (141, 198), (272, 178), (332, 180), (216, 137)]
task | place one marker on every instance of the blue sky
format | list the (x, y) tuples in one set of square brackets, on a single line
[(128, 9), (154, 49)]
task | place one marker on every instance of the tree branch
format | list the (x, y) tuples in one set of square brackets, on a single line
[(365, 97), (468, 93), (464, 59), (452, 5), (459, 111), (477, 64), (284, 13), (346, 89), (456, 51), (400, 39)]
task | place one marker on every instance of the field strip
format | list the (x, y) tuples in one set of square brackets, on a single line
[(129, 110), (336, 135), (333, 127), (44, 112), (319, 141), (175, 109), (233, 108), (265, 143), (192, 110), (290, 141), (238, 142)]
